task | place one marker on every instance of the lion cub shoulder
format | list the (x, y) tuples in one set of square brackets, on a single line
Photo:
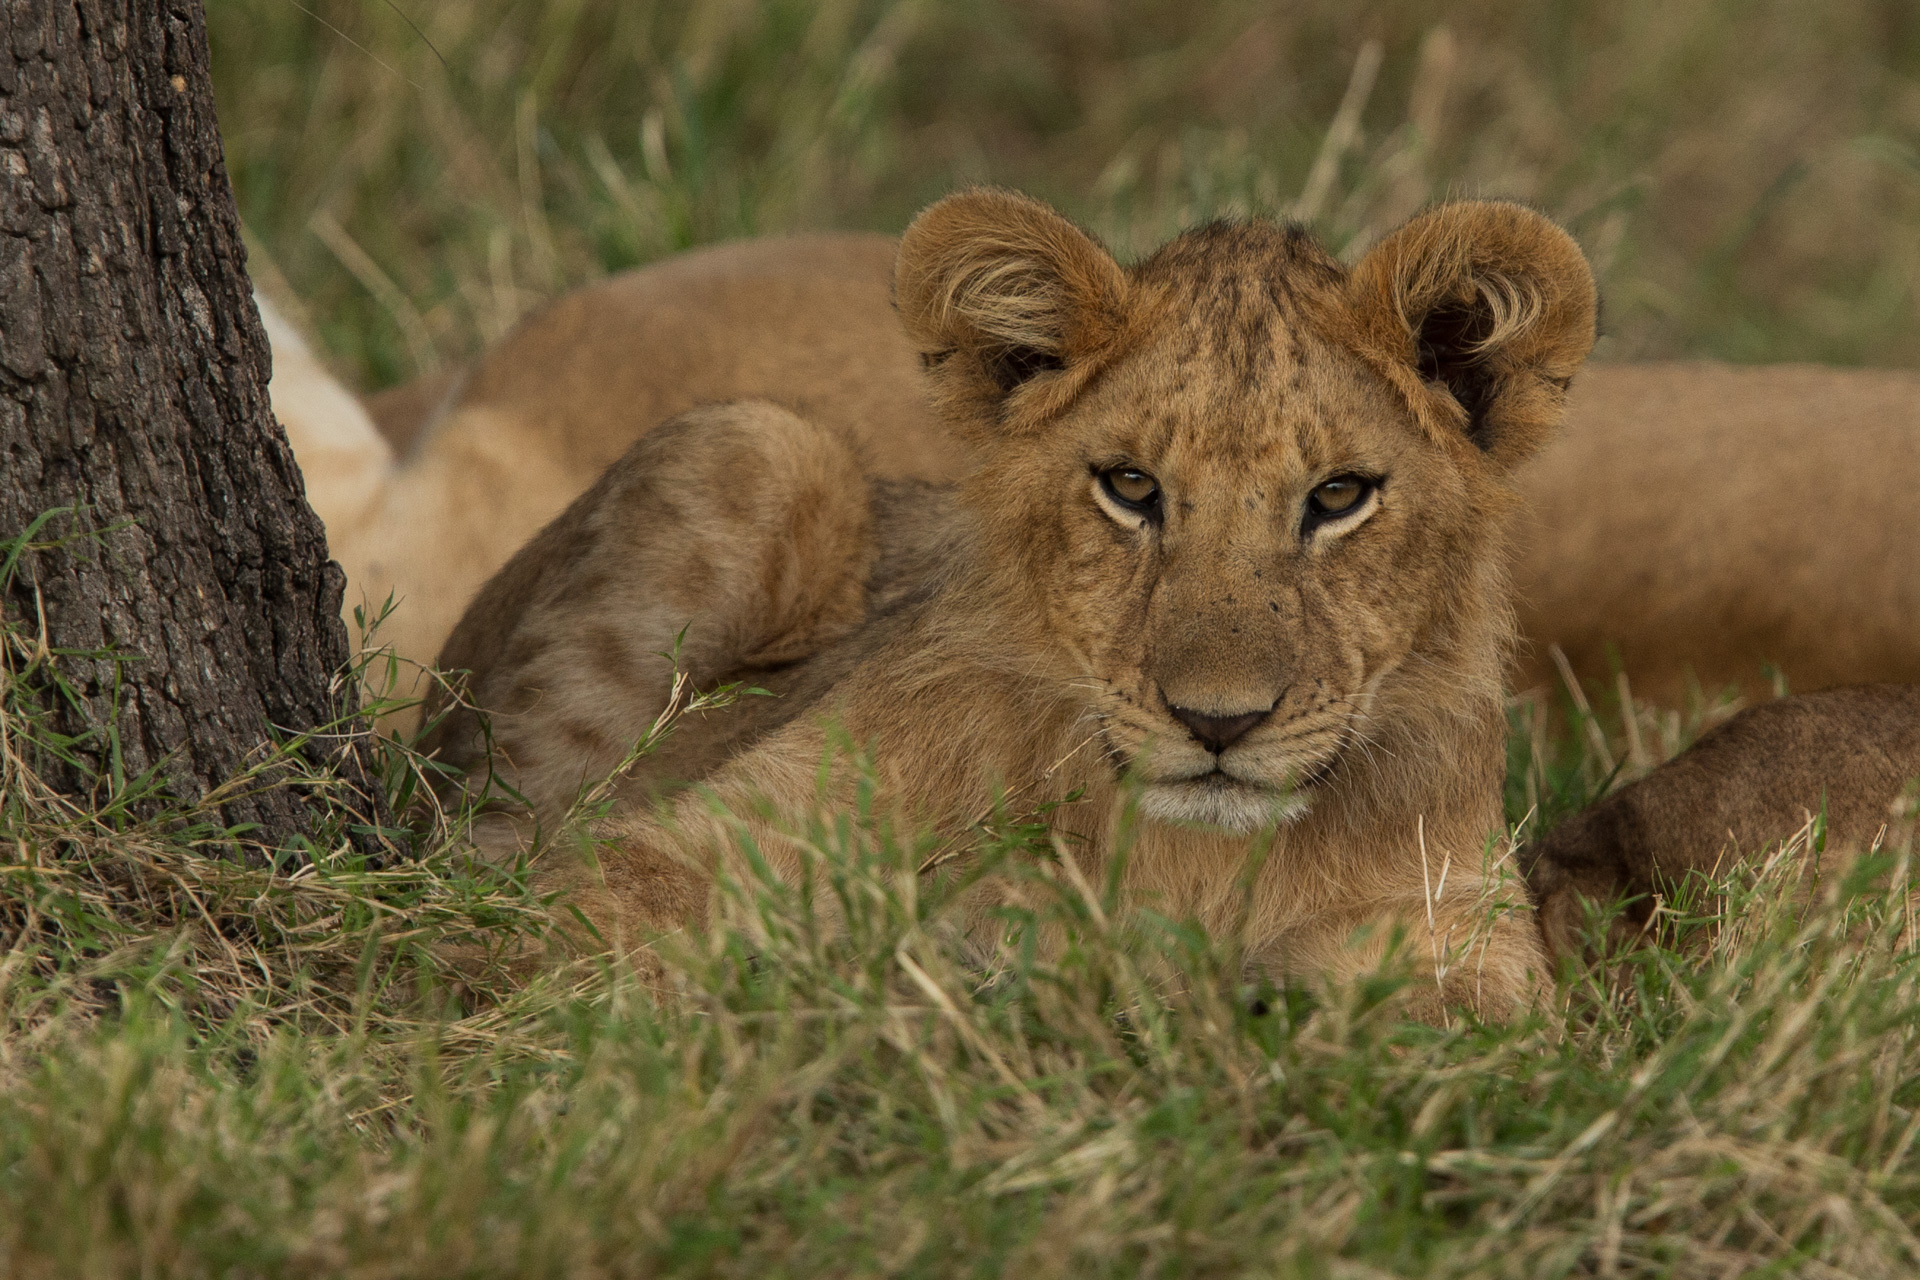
[(732, 544)]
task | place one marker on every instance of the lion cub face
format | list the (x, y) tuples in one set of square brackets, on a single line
[(1245, 555), (1255, 501)]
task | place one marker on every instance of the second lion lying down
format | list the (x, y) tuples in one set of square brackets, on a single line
[(1235, 528)]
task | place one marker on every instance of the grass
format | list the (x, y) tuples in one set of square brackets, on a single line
[(212, 1067), (1745, 173)]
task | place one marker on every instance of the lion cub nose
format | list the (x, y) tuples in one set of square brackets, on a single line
[(1217, 733)]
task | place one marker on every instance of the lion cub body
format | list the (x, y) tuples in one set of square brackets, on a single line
[(1260, 668)]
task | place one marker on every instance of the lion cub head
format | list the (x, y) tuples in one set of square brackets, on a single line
[(1249, 502)]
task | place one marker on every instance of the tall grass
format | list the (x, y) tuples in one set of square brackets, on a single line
[(1742, 1096), (1745, 173)]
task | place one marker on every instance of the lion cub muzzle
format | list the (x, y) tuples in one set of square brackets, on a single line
[(1233, 784), (1245, 664), (1244, 770)]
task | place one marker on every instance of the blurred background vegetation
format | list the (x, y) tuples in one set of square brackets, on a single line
[(419, 173)]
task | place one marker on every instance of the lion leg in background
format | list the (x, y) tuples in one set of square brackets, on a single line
[(743, 526), (401, 414), (1754, 781)]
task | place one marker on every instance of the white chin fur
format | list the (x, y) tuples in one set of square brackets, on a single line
[(1236, 808)]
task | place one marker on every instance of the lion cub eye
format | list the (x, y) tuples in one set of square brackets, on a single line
[(1132, 488), (1340, 496)]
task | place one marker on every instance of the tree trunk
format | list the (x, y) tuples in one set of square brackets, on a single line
[(133, 389)]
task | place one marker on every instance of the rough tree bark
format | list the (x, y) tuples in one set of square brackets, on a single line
[(133, 386)]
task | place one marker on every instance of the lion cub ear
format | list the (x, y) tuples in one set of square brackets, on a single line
[(1010, 305), (1481, 312)]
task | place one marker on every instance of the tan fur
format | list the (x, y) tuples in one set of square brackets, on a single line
[(402, 413), (732, 542), (1718, 518), (343, 457), (1051, 643), (801, 322), (1844, 755), (1697, 518)]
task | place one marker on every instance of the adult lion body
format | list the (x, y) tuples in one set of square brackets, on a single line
[(1685, 520), (1234, 527), (1715, 518)]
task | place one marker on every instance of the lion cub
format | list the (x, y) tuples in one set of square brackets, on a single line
[(1235, 533)]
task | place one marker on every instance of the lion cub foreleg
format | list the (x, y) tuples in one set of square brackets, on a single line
[(1477, 948), (650, 870), (729, 540)]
